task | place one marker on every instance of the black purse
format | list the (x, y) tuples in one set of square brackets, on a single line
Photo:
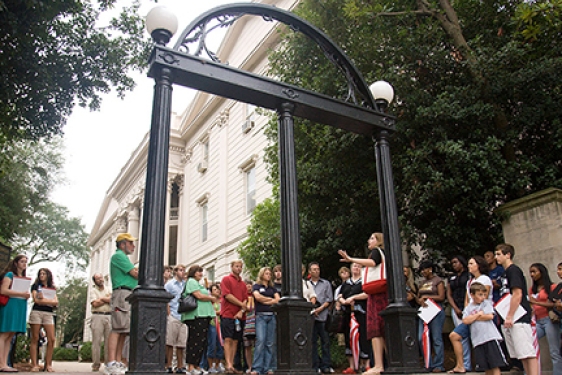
[(187, 303), (335, 323)]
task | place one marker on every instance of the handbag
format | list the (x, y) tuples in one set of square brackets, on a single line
[(374, 278), (250, 326), (335, 321), (554, 316), (187, 303), (4, 300)]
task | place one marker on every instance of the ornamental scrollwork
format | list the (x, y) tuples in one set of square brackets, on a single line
[(193, 41)]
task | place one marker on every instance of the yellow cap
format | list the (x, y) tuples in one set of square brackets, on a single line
[(125, 237)]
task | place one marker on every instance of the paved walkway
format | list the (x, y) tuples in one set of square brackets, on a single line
[(86, 369), (68, 367)]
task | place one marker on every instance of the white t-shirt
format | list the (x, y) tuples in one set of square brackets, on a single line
[(484, 280), (307, 291)]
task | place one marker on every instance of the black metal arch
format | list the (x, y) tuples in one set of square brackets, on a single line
[(225, 15)]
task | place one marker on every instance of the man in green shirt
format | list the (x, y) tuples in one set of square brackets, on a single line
[(124, 278)]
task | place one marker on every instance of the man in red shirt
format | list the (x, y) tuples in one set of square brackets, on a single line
[(234, 296)]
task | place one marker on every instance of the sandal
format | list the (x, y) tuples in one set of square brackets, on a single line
[(36, 369), (49, 369)]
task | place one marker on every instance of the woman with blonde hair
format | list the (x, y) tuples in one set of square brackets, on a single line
[(14, 313), (265, 295), (375, 302)]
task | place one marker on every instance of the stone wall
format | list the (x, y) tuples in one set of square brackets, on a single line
[(534, 227)]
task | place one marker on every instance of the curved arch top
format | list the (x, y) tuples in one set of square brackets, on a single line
[(226, 15)]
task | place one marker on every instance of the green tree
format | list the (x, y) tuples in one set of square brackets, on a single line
[(478, 107), (51, 235), (28, 172), (29, 220), (71, 311), (263, 245), (55, 54)]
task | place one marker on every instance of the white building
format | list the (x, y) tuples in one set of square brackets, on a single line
[(216, 170)]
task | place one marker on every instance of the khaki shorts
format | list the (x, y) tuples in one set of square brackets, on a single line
[(176, 333), (519, 341), (120, 311), (41, 317)]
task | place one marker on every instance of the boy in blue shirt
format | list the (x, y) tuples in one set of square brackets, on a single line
[(485, 337)]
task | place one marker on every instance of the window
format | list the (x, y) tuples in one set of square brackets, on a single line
[(206, 150), (250, 190), (250, 112), (202, 202), (211, 274), (204, 223), (248, 168)]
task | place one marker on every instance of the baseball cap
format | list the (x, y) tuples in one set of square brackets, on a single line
[(125, 237)]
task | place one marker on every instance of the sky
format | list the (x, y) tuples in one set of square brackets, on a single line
[(98, 144)]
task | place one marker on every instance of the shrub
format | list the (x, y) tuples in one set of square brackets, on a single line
[(86, 352), (337, 352), (64, 354), (21, 354)]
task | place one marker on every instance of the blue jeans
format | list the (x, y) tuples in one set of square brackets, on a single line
[(319, 331), (464, 332), (552, 332), (214, 347), (436, 334), (265, 352)]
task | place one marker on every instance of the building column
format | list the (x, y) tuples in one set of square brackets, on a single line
[(133, 222)]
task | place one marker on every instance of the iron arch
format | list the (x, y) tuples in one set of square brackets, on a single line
[(224, 16)]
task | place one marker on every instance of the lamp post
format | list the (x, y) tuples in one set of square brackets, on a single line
[(360, 114), (149, 299), (399, 317)]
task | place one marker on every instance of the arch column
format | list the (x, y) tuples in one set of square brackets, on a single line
[(294, 328)]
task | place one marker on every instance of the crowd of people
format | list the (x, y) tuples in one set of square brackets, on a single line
[(232, 328)]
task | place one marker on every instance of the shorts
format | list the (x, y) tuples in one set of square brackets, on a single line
[(176, 333), (41, 317), (120, 311), (463, 330), (249, 341), (229, 331), (489, 355), (519, 341)]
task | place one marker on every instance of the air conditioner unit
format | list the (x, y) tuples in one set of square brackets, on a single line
[(247, 126), (202, 166)]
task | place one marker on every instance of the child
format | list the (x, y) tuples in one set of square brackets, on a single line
[(479, 315)]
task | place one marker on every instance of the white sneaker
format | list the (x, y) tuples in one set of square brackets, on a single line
[(221, 368), (122, 367), (114, 368)]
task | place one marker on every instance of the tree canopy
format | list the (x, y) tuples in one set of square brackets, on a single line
[(478, 104), (29, 220), (28, 172), (55, 54)]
